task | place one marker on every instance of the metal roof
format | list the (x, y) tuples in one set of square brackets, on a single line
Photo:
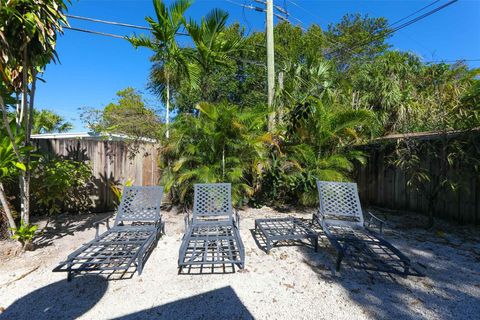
[(88, 136)]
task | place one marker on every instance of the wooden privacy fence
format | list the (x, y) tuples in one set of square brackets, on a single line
[(384, 185), (112, 162)]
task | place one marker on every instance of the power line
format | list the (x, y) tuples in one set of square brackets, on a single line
[(279, 8), (414, 13), (245, 17), (404, 25), (339, 45), (258, 9), (95, 32), (452, 61), (121, 24), (115, 23), (257, 63)]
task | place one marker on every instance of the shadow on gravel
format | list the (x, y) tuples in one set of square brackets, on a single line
[(449, 290), (59, 300), (221, 303), (65, 225)]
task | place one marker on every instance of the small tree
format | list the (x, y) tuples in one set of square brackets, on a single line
[(170, 62), (28, 36), (129, 115), (447, 151), (10, 167)]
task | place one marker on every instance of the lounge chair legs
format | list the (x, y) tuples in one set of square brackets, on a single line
[(339, 261), (139, 267)]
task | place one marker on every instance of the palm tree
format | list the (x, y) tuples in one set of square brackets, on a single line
[(222, 144), (317, 145), (214, 46), (46, 121), (171, 63), (212, 43)]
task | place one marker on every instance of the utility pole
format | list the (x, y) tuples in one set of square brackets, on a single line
[(270, 64), (283, 16)]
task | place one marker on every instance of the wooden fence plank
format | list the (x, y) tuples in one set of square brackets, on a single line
[(384, 187)]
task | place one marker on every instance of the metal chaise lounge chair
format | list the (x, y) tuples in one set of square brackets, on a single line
[(137, 227), (212, 235), (341, 217)]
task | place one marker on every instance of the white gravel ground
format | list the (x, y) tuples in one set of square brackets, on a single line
[(291, 282)]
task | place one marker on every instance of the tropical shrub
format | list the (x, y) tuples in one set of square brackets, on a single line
[(60, 185), (117, 191), (47, 121), (10, 166), (317, 144), (25, 233), (222, 144)]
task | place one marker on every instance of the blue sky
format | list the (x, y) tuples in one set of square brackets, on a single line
[(93, 68)]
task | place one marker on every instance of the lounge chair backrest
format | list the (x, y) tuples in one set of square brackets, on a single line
[(212, 201), (340, 199), (140, 204)]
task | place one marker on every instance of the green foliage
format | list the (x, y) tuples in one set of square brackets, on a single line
[(357, 38), (28, 35), (222, 144), (46, 121), (117, 191), (336, 89), (317, 144), (25, 233), (10, 164), (388, 86), (428, 164), (129, 116), (409, 96), (213, 46), (60, 185)]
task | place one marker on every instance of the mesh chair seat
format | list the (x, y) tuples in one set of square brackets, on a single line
[(212, 236)]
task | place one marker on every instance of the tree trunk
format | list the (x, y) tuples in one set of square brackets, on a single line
[(18, 107), (28, 131), (23, 180), (223, 163), (271, 120), (281, 107), (167, 116), (6, 209)]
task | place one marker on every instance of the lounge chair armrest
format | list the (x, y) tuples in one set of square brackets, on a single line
[(373, 219), (97, 224), (236, 220)]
